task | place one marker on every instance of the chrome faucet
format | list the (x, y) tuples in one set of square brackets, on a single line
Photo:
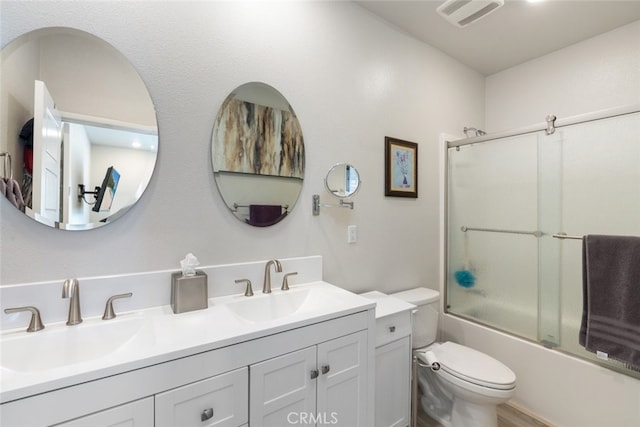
[(266, 287), (71, 290)]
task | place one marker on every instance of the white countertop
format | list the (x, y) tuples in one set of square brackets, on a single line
[(163, 336), (386, 305)]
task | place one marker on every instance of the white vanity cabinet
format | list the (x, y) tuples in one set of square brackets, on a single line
[(213, 382), (322, 384), (392, 360)]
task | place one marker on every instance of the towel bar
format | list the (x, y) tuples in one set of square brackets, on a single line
[(563, 236), (236, 206), (536, 233)]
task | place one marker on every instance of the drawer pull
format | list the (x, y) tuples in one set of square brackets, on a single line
[(207, 414), (314, 374), (325, 369), (392, 328)]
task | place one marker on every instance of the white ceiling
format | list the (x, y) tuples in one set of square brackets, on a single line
[(121, 138), (510, 35)]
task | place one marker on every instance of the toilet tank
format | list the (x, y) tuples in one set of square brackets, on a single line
[(425, 319)]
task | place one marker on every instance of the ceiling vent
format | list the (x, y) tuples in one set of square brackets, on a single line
[(464, 12)]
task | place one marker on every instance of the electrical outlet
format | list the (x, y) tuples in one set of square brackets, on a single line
[(352, 234)]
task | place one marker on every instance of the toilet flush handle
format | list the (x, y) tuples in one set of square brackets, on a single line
[(432, 360)]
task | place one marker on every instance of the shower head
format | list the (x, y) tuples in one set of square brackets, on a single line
[(478, 132), (464, 12)]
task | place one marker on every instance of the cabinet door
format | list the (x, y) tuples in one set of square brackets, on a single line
[(220, 401), (283, 389), (133, 414), (342, 384), (393, 383)]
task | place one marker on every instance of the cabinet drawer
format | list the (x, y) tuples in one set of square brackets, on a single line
[(135, 414), (390, 328), (217, 401)]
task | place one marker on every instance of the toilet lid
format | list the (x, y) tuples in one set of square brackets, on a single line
[(473, 366)]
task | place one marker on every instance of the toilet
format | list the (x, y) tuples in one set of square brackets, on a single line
[(461, 387)]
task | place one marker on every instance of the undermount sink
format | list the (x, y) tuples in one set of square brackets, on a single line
[(60, 345), (272, 306)]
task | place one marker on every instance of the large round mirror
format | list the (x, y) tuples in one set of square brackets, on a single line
[(78, 126), (342, 180), (258, 154)]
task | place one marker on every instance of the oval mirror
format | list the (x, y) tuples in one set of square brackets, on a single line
[(258, 154), (78, 126), (342, 180)]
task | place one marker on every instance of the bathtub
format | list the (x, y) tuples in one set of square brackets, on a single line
[(562, 389), (523, 323), (520, 321)]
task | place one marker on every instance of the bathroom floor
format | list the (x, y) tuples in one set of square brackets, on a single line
[(508, 416)]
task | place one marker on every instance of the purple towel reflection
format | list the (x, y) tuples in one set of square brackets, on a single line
[(265, 215)]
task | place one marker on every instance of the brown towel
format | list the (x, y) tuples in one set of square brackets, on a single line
[(611, 297)]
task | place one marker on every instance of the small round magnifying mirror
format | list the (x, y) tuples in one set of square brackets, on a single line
[(342, 180)]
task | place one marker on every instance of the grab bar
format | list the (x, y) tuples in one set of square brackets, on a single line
[(535, 233), (563, 236)]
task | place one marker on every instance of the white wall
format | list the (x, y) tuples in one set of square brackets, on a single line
[(20, 67), (600, 73), (121, 94), (351, 79), (134, 166)]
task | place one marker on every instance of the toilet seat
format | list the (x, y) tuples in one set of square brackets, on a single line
[(472, 366)]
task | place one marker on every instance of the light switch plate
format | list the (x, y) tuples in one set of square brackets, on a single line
[(352, 234)]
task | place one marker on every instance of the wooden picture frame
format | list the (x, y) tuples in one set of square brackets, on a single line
[(400, 168)]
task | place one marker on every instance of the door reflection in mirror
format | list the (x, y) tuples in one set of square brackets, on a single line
[(90, 110)]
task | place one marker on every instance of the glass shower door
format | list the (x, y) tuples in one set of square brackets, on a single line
[(511, 200), (550, 221), (492, 234), (600, 195)]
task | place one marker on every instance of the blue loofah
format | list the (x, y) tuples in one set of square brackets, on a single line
[(465, 278)]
